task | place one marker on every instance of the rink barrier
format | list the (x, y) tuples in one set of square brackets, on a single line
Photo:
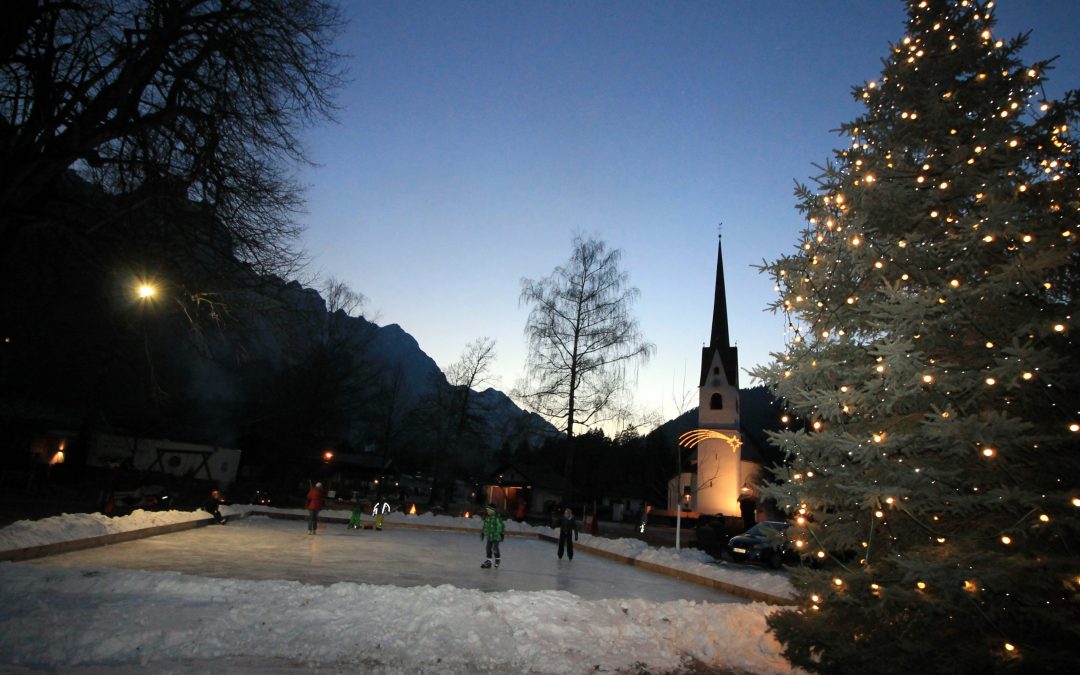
[(31, 552), (732, 589)]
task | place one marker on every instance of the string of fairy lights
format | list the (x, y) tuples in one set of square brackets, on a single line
[(932, 143)]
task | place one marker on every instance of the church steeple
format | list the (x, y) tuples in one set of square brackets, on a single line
[(719, 314), (720, 341)]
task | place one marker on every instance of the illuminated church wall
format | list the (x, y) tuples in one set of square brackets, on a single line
[(718, 477), (720, 469)]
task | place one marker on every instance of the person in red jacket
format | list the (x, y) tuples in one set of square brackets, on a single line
[(315, 502)]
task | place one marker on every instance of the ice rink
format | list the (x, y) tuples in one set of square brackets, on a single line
[(261, 548)]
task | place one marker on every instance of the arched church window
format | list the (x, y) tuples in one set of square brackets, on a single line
[(716, 402)]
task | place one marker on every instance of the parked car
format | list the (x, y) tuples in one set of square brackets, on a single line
[(145, 497), (764, 543)]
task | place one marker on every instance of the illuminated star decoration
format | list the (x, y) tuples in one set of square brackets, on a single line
[(692, 438)]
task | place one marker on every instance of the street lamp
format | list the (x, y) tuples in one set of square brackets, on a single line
[(145, 291)]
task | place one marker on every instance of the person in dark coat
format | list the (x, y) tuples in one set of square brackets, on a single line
[(567, 525), (315, 503), (211, 506)]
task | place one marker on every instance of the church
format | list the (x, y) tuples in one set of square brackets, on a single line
[(727, 468)]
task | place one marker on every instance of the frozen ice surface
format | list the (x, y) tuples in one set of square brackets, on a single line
[(262, 548)]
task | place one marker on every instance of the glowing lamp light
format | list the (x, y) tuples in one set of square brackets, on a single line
[(1006, 539), (1010, 647), (145, 291), (328, 455), (928, 379), (1076, 501), (821, 554), (1059, 328), (412, 510), (988, 452), (1044, 518), (990, 381), (837, 581), (921, 585), (969, 585), (58, 458), (1027, 375), (1074, 427)]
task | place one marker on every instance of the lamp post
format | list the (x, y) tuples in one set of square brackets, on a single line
[(145, 292)]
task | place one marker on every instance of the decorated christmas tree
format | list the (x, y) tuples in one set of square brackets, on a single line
[(931, 373)]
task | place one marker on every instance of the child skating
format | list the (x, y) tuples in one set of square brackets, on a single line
[(492, 531), (356, 517), (382, 507)]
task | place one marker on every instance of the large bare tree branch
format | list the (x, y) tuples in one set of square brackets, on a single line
[(208, 94)]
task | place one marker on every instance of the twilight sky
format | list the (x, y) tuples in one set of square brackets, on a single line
[(476, 138)]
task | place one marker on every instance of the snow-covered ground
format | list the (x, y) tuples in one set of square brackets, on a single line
[(106, 619)]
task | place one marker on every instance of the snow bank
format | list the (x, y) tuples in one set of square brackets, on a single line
[(167, 622)]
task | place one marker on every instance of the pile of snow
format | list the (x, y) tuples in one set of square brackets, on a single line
[(74, 526), (134, 621)]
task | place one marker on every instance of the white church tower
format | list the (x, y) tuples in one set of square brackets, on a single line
[(719, 466)]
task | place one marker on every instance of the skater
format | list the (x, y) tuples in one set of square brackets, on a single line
[(356, 517), (211, 506), (568, 525), (382, 507), (493, 530), (644, 517), (315, 502)]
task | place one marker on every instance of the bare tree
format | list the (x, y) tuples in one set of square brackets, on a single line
[(196, 100), (470, 372), (339, 296), (581, 338), (451, 405)]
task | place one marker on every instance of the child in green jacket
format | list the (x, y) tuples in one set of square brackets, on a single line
[(493, 532)]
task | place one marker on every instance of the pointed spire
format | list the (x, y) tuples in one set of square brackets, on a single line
[(720, 341), (720, 336)]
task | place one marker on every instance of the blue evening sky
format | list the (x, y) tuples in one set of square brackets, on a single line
[(476, 138)]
